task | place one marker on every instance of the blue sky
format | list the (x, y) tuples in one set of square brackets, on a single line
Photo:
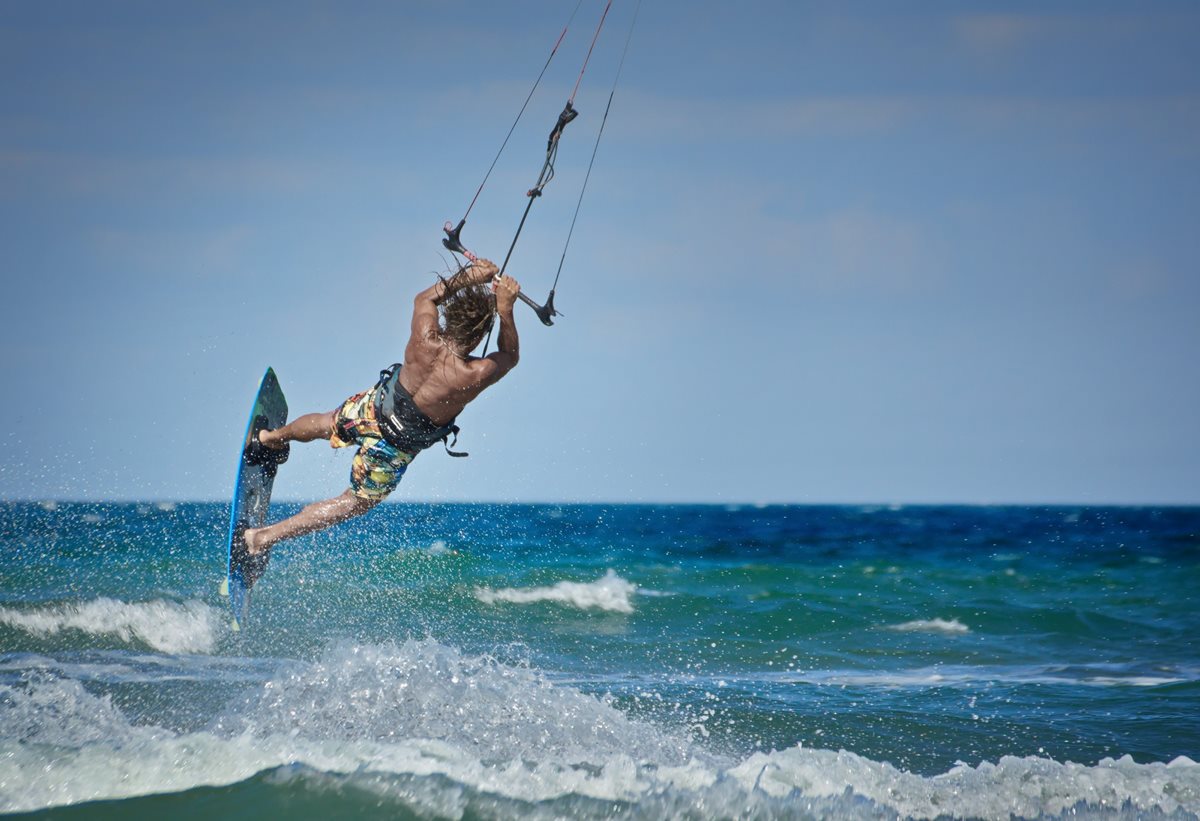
[(831, 252)]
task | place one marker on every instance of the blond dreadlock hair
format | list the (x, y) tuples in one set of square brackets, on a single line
[(467, 312)]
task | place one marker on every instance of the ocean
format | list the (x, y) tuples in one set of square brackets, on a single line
[(605, 661)]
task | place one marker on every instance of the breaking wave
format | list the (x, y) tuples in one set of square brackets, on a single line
[(422, 727), (610, 592), (951, 627), (166, 626)]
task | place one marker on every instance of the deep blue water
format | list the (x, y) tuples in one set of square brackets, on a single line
[(600, 661)]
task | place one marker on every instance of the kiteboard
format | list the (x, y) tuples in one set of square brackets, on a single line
[(252, 496)]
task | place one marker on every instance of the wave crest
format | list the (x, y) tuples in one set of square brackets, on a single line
[(1012, 788), (610, 592), (426, 690), (166, 626), (951, 627)]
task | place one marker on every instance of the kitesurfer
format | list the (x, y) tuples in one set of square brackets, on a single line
[(412, 407)]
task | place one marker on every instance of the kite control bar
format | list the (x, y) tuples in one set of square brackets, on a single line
[(453, 238), (453, 242)]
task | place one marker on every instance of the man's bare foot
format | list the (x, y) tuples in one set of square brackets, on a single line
[(271, 439), (253, 548)]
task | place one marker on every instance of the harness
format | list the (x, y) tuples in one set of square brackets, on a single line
[(403, 425)]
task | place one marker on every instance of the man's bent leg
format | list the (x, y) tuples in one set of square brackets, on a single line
[(317, 516), (301, 429)]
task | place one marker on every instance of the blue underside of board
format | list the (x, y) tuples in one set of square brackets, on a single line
[(251, 498)]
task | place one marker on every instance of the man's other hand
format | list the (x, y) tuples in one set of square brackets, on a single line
[(507, 289)]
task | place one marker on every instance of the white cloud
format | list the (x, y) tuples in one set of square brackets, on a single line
[(701, 120), (997, 33), (641, 115), (192, 252), (782, 239)]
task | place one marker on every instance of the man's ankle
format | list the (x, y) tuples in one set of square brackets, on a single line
[(251, 537), (265, 444)]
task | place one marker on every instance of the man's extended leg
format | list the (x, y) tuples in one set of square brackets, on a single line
[(305, 428), (316, 516), (376, 471)]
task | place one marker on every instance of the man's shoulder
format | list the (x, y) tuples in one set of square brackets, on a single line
[(478, 367)]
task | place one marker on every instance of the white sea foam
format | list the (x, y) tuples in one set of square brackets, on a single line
[(420, 709), (166, 626), (610, 592), (1020, 787), (957, 675), (952, 627), (432, 730), (1131, 681)]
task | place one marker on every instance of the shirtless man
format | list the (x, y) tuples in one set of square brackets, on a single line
[(411, 408)]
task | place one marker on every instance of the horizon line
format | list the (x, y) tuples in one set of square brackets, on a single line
[(631, 503)]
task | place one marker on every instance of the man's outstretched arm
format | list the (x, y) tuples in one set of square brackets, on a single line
[(508, 343)]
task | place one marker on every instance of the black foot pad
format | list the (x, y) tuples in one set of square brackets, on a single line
[(249, 566), (256, 453)]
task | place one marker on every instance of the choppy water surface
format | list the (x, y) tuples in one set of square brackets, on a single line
[(606, 661)]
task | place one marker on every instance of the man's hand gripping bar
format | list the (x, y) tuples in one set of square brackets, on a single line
[(453, 243)]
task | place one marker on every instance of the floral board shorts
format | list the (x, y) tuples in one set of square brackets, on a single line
[(378, 466)]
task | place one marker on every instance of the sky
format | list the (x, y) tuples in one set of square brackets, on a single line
[(851, 252)]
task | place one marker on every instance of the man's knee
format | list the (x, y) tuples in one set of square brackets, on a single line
[(329, 423), (363, 505), (358, 505)]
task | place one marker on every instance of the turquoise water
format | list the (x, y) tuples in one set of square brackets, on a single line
[(487, 661)]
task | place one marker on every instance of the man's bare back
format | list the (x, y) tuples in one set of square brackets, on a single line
[(441, 379)]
